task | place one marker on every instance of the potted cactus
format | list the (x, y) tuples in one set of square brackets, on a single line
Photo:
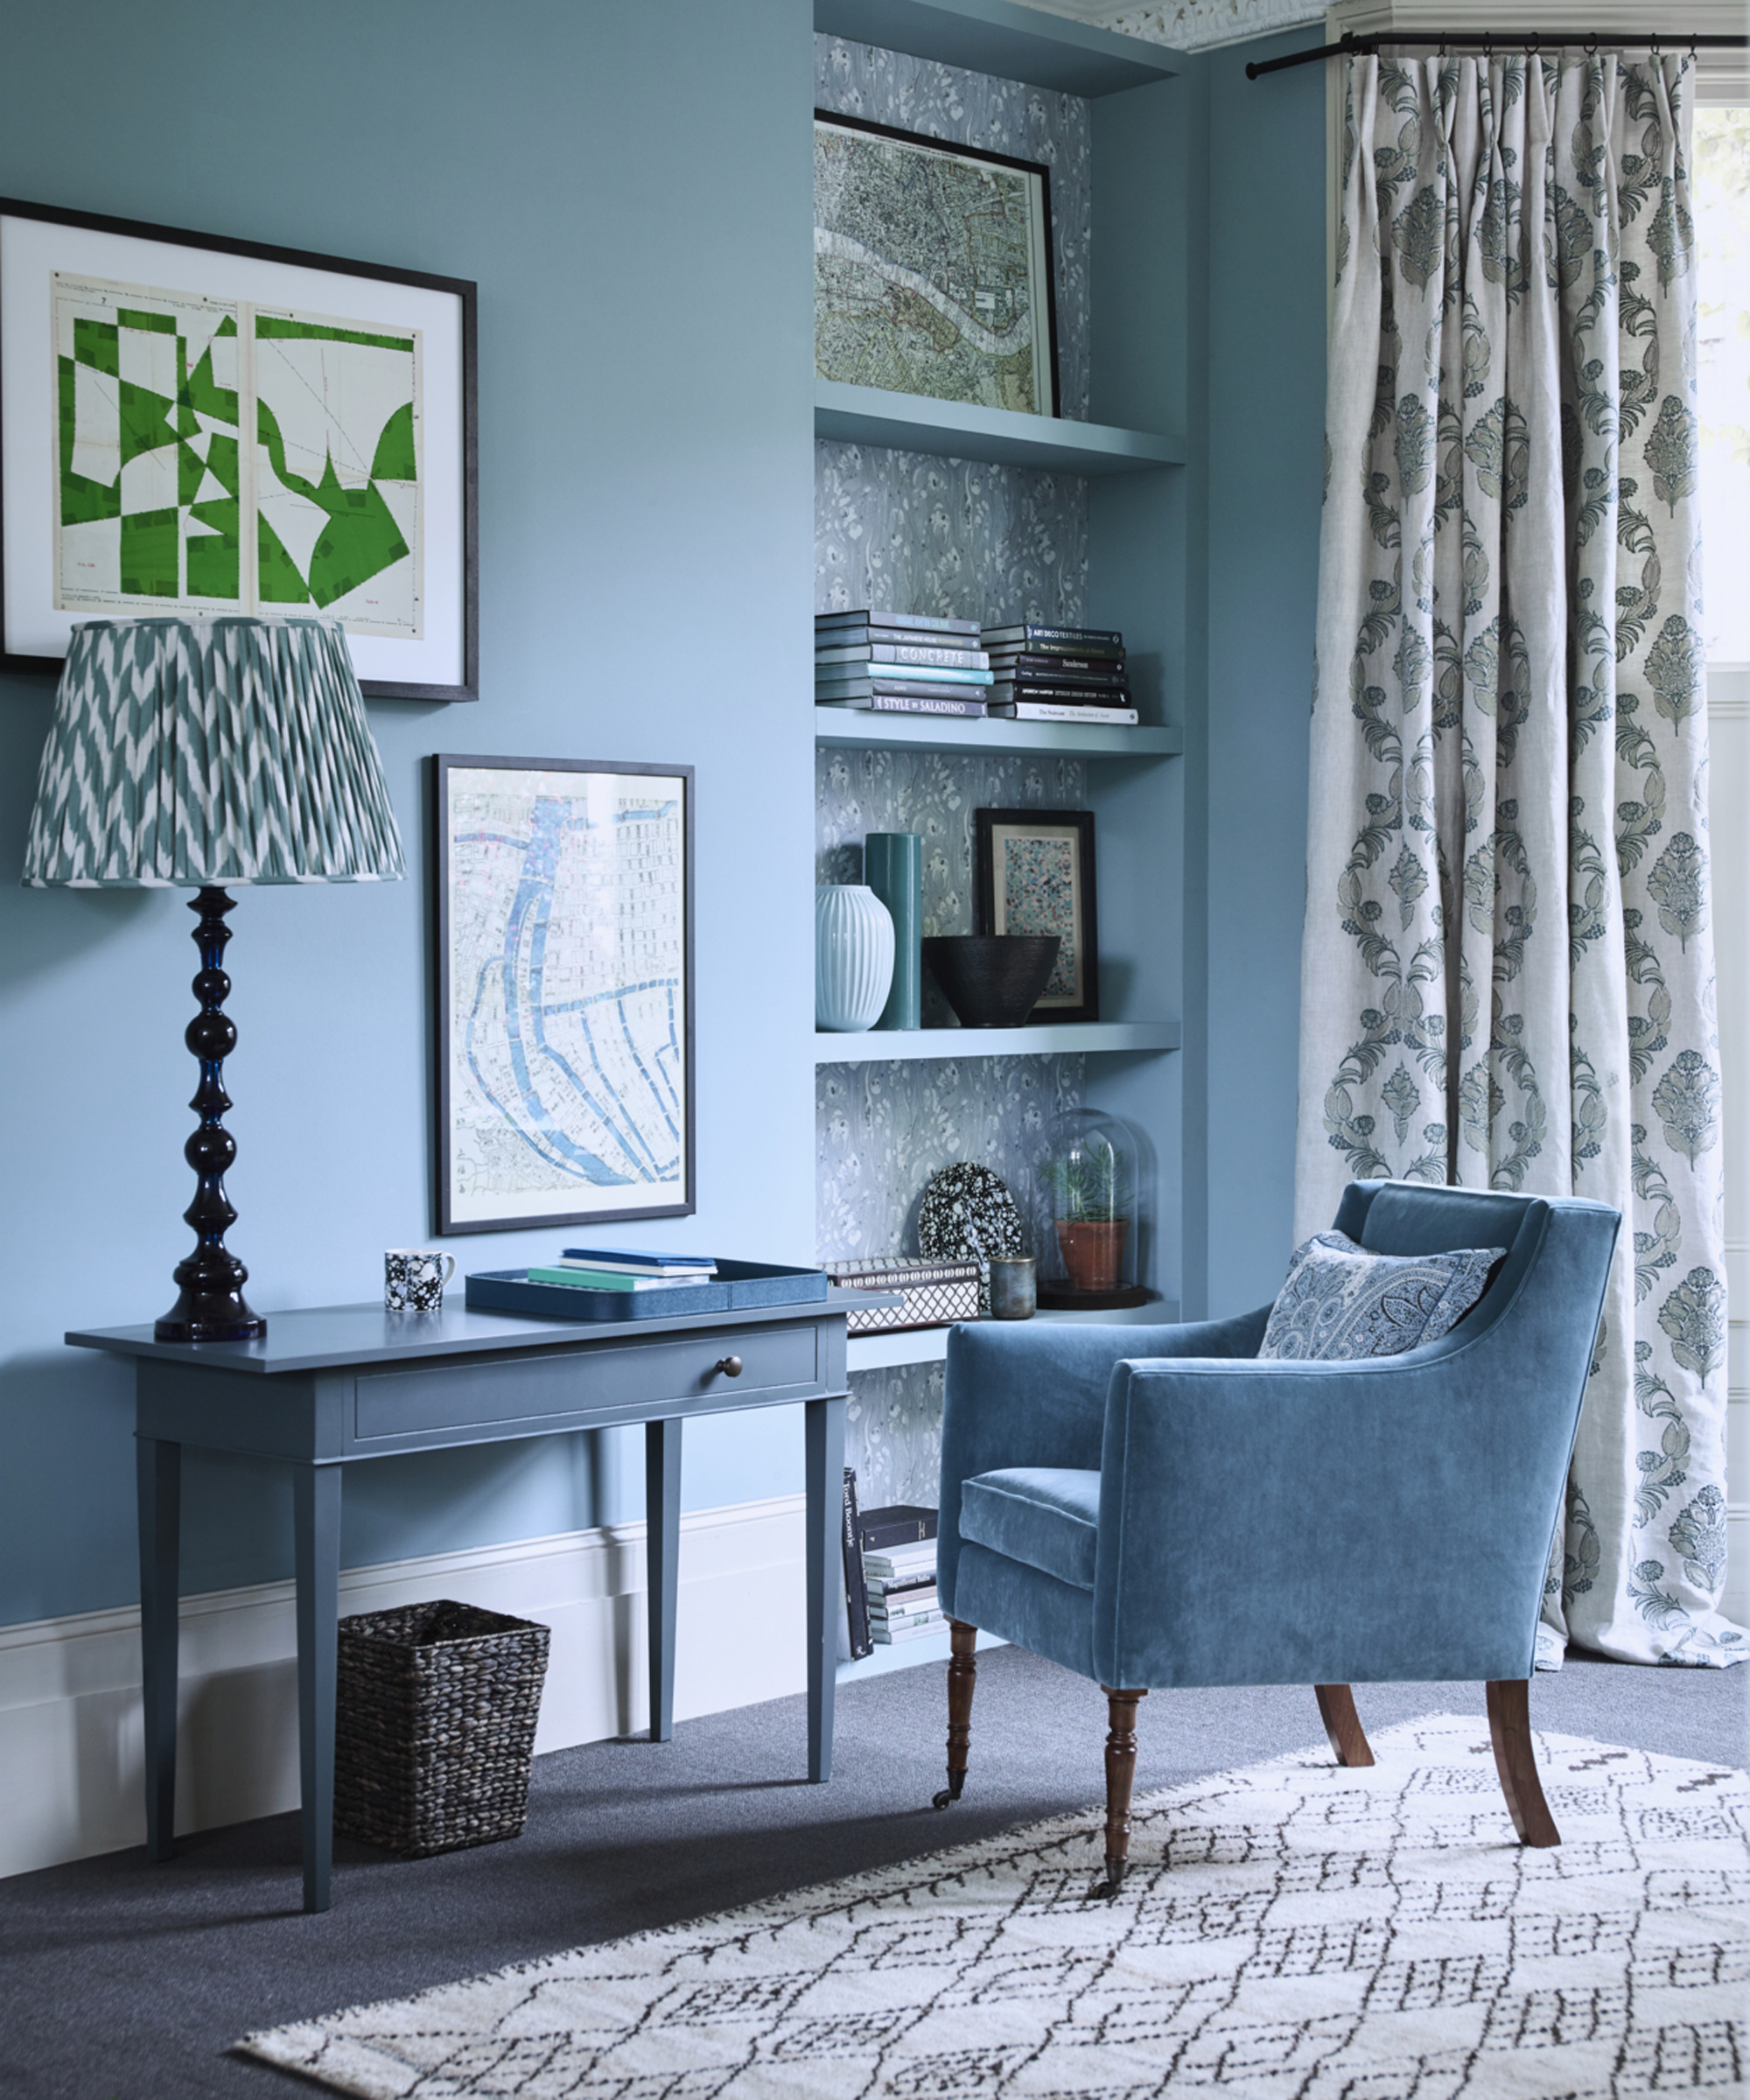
[(1090, 1191)]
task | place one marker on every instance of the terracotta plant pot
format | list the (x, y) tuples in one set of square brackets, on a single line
[(1093, 1254)]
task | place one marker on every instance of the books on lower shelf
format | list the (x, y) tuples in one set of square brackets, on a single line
[(890, 1591), (857, 1640)]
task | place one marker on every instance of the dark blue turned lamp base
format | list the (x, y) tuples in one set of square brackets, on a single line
[(210, 1304), (199, 754)]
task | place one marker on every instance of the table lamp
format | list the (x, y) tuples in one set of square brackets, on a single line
[(203, 753)]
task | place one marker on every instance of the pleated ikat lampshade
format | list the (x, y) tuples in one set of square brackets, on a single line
[(206, 753), (210, 752)]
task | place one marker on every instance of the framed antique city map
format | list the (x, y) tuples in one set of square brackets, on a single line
[(933, 270), (564, 1036), (192, 426)]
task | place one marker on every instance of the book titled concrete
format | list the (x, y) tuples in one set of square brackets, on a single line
[(875, 651)]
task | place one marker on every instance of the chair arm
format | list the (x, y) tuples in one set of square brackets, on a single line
[(1033, 1393), (1296, 1522)]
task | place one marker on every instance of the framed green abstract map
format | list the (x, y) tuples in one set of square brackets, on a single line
[(194, 426), (933, 269)]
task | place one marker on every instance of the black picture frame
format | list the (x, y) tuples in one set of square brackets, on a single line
[(449, 582), (1079, 919), (471, 1212), (1035, 169)]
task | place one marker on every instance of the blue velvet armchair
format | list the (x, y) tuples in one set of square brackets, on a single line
[(1154, 1506)]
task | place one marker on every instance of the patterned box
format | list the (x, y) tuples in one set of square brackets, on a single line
[(935, 1293)]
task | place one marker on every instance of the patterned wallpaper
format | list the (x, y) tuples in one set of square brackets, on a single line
[(957, 538), (962, 540), (1199, 24)]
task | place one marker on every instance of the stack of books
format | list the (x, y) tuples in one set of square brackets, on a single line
[(1043, 674), (889, 1573), (624, 1269), (898, 1573), (901, 664)]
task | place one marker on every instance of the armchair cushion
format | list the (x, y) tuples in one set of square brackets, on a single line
[(1342, 1302), (1044, 1516)]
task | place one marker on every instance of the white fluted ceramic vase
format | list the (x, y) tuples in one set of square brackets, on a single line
[(853, 956)]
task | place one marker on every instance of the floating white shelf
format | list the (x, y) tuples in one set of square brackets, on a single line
[(929, 1345), (860, 729), (905, 1655), (884, 1046), (958, 430)]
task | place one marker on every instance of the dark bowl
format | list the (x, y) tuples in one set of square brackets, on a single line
[(992, 980)]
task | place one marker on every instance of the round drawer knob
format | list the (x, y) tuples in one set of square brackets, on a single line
[(729, 1365)]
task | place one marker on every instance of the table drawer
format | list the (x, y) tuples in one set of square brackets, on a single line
[(616, 1380)]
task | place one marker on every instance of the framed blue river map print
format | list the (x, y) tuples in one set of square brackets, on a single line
[(564, 1037)]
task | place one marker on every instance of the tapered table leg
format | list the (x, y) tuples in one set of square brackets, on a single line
[(159, 1470), (316, 1526), (662, 1566), (825, 1442)]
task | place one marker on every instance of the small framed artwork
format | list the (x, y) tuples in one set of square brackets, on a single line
[(194, 426), (563, 924), (933, 270), (1035, 870)]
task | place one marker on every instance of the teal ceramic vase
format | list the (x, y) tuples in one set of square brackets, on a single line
[(894, 868), (853, 957)]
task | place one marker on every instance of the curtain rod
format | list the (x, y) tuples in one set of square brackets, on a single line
[(1528, 40)]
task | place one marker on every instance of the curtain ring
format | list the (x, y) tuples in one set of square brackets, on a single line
[(1591, 45)]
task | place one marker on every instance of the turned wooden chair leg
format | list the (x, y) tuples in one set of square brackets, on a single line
[(1342, 1723), (1516, 1763), (1121, 1772), (962, 1673)]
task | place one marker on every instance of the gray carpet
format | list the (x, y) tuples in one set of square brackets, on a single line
[(123, 1981)]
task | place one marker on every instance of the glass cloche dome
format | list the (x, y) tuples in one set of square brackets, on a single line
[(1087, 1227)]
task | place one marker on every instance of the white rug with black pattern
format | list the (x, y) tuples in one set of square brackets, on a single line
[(1292, 1930)]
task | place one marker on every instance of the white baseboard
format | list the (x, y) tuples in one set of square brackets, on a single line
[(71, 1732)]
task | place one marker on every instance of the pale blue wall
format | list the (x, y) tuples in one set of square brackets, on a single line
[(630, 186), (1266, 346)]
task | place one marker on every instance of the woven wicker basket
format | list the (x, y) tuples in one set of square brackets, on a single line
[(435, 1726)]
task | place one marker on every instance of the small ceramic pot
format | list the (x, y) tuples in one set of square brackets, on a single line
[(853, 957), (1013, 1293)]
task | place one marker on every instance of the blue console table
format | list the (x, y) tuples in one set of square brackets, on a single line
[(327, 1387)]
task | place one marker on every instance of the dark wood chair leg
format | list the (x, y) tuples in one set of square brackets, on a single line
[(1342, 1723), (1121, 1772), (1509, 1730), (962, 1673)]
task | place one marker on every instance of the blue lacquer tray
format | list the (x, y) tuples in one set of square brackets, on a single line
[(737, 1286)]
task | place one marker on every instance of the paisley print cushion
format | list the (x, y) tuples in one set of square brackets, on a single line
[(1340, 1302)]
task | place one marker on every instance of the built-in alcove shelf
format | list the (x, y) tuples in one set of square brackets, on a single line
[(1058, 1038), (861, 729), (929, 1345), (932, 1647), (995, 36), (959, 430)]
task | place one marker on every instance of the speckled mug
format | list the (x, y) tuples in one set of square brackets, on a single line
[(414, 1279)]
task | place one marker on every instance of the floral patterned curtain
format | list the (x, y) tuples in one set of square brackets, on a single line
[(1507, 976)]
